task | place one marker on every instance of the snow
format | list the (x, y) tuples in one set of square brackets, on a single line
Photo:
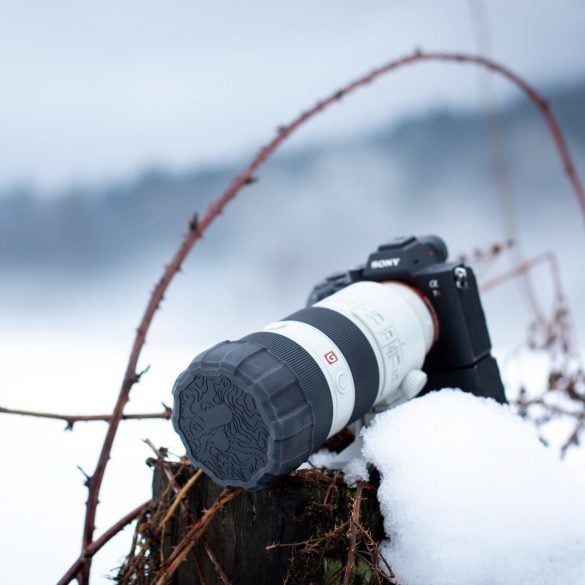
[(355, 471), (471, 497), (322, 459)]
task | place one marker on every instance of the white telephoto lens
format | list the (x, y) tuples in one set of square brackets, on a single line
[(253, 409), (400, 328)]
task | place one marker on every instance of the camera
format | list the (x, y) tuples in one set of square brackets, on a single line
[(404, 323)]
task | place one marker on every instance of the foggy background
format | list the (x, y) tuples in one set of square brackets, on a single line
[(119, 121)]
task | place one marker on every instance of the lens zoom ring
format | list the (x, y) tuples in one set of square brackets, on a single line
[(354, 346)]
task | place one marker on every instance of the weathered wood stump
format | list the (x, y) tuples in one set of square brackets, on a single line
[(308, 528)]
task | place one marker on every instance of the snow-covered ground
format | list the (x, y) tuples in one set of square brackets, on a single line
[(470, 496)]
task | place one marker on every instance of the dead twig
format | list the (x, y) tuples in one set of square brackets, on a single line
[(179, 498), (161, 454), (354, 520), (71, 419), (526, 266), (575, 436), (192, 536), (198, 226), (543, 333), (220, 572), (95, 546)]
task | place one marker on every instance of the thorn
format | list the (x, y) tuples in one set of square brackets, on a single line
[(194, 224), (418, 51), (339, 94), (144, 371), (69, 425), (137, 375), (250, 180), (87, 477), (280, 129)]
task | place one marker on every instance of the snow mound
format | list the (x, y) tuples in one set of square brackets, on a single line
[(471, 497)]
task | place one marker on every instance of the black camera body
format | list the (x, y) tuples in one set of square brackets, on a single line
[(461, 355)]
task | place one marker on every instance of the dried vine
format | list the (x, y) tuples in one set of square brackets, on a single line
[(71, 419), (198, 226), (350, 536), (342, 542), (564, 395), (195, 532), (97, 544)]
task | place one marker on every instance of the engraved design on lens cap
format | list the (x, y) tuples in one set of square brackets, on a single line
[(223, 427)]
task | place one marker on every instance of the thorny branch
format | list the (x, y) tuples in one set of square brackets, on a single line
[(193, 534), (352, 534), (198, 226), (220, 573), (97, 544), (144, 567), (71, 419), (161, 454), (564, 397), (179, 498), (546, 257), (544, 332)]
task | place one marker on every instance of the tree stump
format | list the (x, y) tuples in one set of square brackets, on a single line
[(310, 527)]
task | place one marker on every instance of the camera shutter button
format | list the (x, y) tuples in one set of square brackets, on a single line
[(413, 383)]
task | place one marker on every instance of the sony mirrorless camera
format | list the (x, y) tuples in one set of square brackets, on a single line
[(405, 323)]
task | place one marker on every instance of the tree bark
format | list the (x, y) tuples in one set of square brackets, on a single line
[(300, 530)]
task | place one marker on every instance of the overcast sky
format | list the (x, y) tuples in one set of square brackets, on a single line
[(95, 91)]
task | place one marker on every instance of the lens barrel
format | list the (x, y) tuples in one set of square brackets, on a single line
[(251, 410)]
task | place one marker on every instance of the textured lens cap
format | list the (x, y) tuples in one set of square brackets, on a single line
[(242, 415)]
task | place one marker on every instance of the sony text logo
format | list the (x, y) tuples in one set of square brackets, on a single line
[(384, 263)]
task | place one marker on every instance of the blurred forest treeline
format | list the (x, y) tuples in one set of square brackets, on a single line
[(411, 164)]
